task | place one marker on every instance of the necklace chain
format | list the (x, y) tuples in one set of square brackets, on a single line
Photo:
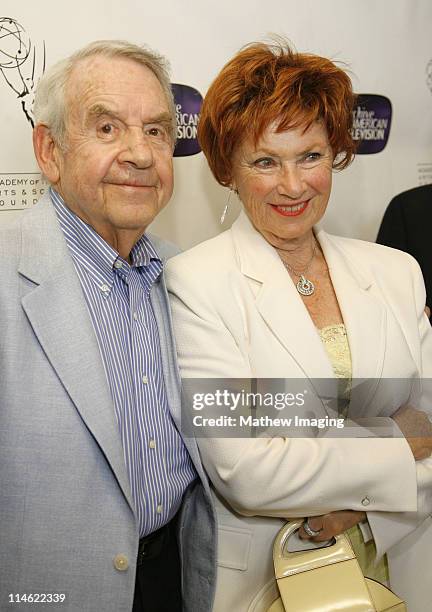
[(304, 286), (297, 272)]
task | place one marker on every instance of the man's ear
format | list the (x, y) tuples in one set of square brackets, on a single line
[(47, 152)]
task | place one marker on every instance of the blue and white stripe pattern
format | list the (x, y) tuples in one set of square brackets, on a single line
[(118, 299)]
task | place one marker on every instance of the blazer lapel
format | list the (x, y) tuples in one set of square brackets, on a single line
[(363, 313), (284, 312), (364, 316), (279, 303), (57, 311)]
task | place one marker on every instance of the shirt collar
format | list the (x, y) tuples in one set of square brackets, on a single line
[(91, 252)]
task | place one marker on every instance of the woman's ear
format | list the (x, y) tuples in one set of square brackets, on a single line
[(47, 152)]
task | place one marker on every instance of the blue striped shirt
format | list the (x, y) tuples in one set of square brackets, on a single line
[(118, 299)]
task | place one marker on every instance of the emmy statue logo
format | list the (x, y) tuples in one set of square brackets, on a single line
[(20, 64)]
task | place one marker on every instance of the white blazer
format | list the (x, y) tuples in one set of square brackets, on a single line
[(237, 314)]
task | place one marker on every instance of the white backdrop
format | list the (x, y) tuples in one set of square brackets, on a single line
[(387, 45)]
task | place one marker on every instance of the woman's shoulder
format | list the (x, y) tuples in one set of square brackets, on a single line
[(369, 252), (384, 266), (213, 255)]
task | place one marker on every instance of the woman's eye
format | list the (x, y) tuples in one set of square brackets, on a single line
[(312, 156), (264, 162)]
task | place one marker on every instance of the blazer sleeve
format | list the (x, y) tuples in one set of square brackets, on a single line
[(277, 476), (389, 528)]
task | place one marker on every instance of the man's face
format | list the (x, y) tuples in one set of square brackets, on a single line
[(115, 171)]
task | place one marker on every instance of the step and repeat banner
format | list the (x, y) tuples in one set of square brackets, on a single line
[(386, 45)]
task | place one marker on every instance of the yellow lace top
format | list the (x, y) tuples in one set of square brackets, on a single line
[(335, 341)]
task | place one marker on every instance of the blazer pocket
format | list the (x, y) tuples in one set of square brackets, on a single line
[(233, 547)]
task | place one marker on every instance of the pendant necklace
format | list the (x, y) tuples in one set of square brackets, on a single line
[(304, 286)]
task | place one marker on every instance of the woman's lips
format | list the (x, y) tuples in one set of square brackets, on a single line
[(293, 210)]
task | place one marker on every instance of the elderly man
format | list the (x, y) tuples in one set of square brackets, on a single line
[(97, 486)]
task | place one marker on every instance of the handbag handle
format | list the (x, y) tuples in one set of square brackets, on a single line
[(289, 563), (336, 582)]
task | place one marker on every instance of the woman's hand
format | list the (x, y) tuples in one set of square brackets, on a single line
[(331, 524), (417, 429)]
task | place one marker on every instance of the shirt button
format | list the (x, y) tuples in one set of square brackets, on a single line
[(118, 264), (152, 444), (159, 509), (104, 288), (121, 563), (365, 501), (145, 379), (135, 316)]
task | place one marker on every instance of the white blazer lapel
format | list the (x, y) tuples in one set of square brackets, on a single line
[(278, 301), (363, 313)]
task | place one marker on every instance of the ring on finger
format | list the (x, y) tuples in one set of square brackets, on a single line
[(311, 532)]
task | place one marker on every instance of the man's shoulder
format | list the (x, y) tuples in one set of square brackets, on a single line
[(413, 200), (32, 217), (34, 235), (11, 234)]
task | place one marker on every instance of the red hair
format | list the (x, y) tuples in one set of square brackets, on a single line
[(263, 84)]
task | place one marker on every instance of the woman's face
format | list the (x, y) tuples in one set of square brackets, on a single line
[(284, 181)]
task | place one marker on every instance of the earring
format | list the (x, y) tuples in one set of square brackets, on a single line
[(225, 210)]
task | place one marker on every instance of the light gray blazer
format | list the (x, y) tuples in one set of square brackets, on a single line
[(66, 511)]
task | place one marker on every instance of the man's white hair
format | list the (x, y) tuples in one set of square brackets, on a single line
[(49, 104)]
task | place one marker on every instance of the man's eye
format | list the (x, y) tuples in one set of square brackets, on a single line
[(106, 129), (156, 132)]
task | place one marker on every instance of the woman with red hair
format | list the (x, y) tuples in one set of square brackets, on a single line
[(275, 296)]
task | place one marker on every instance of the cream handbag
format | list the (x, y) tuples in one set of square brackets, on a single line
[(327, 579)]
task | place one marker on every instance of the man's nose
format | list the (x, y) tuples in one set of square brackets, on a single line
[(291, 182), (137, 149)]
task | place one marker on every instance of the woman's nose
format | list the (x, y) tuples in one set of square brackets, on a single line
[(291, 183)]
